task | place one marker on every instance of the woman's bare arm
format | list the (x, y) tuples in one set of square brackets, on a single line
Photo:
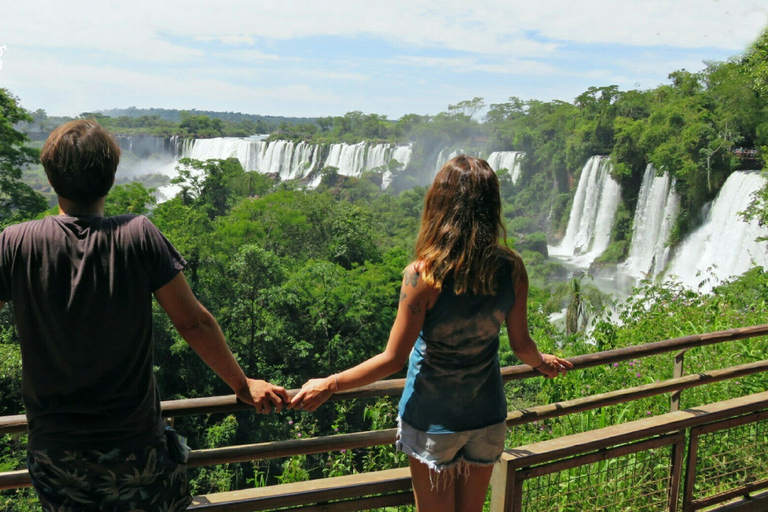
[(520, 339), (415, 298)]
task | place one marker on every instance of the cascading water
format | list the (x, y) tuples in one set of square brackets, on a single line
[(509, 160), (291, 160), (594, 207), (349, 159), (724, 246), (148, 154), (400, 154), (657, 207), (443, 157), (244, 150)]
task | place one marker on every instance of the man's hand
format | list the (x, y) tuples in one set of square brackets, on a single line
[(263, 396)]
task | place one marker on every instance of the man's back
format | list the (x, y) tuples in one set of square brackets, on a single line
[(82, 293)]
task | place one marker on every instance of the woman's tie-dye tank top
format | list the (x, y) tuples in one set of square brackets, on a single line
[(453, 381)]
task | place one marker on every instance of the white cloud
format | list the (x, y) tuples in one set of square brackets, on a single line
[(470, 64), (490, 27)]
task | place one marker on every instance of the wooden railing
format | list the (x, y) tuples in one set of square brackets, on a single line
[(390, 487)]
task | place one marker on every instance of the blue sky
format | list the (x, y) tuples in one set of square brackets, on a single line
[(299, 58)]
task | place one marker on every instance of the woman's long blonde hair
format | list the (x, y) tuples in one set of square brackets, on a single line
[(461, 226)]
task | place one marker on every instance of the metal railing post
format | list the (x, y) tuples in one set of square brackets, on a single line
[(676, 471)]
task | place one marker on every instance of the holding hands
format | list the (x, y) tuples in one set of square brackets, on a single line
[(314, 393), (263, 396)]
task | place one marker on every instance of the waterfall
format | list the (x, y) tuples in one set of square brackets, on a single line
[(349, 159), (725, 244), (400, 154), (148, 154), (224, 147), (305, 160), (657, 207), (594, 206), (353, 159), (290, 160), (509, 160), (443, 157)]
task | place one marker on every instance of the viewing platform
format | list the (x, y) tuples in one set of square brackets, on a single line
[(747, 153), (711, 457)]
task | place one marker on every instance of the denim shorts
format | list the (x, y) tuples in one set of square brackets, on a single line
[(441, 451)]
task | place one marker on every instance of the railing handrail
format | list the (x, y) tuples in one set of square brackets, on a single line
[(566, 446), (323, 444), (390, 387)]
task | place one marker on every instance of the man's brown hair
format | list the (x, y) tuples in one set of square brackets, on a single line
[(80, 159)]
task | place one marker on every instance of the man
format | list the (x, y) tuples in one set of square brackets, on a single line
[(82, 288)]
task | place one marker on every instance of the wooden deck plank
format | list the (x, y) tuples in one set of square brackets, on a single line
[(312, 491)]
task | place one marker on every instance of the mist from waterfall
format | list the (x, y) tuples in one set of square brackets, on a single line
[(594, 207), (724, 246), (655, 214)]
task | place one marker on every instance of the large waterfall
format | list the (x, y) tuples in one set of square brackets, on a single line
[(657, 207), (299, 160), (724, 246), (289, 160), (509, 160), (594, 207)]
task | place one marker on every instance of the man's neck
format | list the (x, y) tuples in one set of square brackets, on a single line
[(75, 209)]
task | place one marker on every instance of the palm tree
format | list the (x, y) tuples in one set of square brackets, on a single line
[(582, 299)]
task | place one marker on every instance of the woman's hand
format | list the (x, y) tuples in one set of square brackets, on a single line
[(314, 393), (553, 366)]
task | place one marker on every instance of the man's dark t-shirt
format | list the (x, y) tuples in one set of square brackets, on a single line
[(82, 295)]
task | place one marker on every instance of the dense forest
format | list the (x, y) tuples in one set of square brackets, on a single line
[(304, 283)]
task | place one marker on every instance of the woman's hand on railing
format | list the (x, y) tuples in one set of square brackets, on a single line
[(314, 393), (263, 396), (553, 366)]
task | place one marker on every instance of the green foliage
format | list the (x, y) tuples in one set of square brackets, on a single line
[(755, 64), (132, 198), (18, 201)]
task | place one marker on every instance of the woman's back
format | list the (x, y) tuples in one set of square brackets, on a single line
[(453, 380)]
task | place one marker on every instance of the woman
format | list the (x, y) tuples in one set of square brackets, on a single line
[(453, 300)]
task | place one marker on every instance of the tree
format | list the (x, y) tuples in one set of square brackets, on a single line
[(211, 184), (132, 198), (18, 201), (583, 299), (468, 107), (755, 63)]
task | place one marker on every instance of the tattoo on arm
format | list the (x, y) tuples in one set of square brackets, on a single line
[(411, 278), (402, 296), (415, 308)]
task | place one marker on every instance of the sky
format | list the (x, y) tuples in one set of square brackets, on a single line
[(308, 59)]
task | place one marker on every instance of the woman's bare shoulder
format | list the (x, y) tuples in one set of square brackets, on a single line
[(413, 276)]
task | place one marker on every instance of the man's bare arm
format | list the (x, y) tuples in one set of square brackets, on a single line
[(200, 330)]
